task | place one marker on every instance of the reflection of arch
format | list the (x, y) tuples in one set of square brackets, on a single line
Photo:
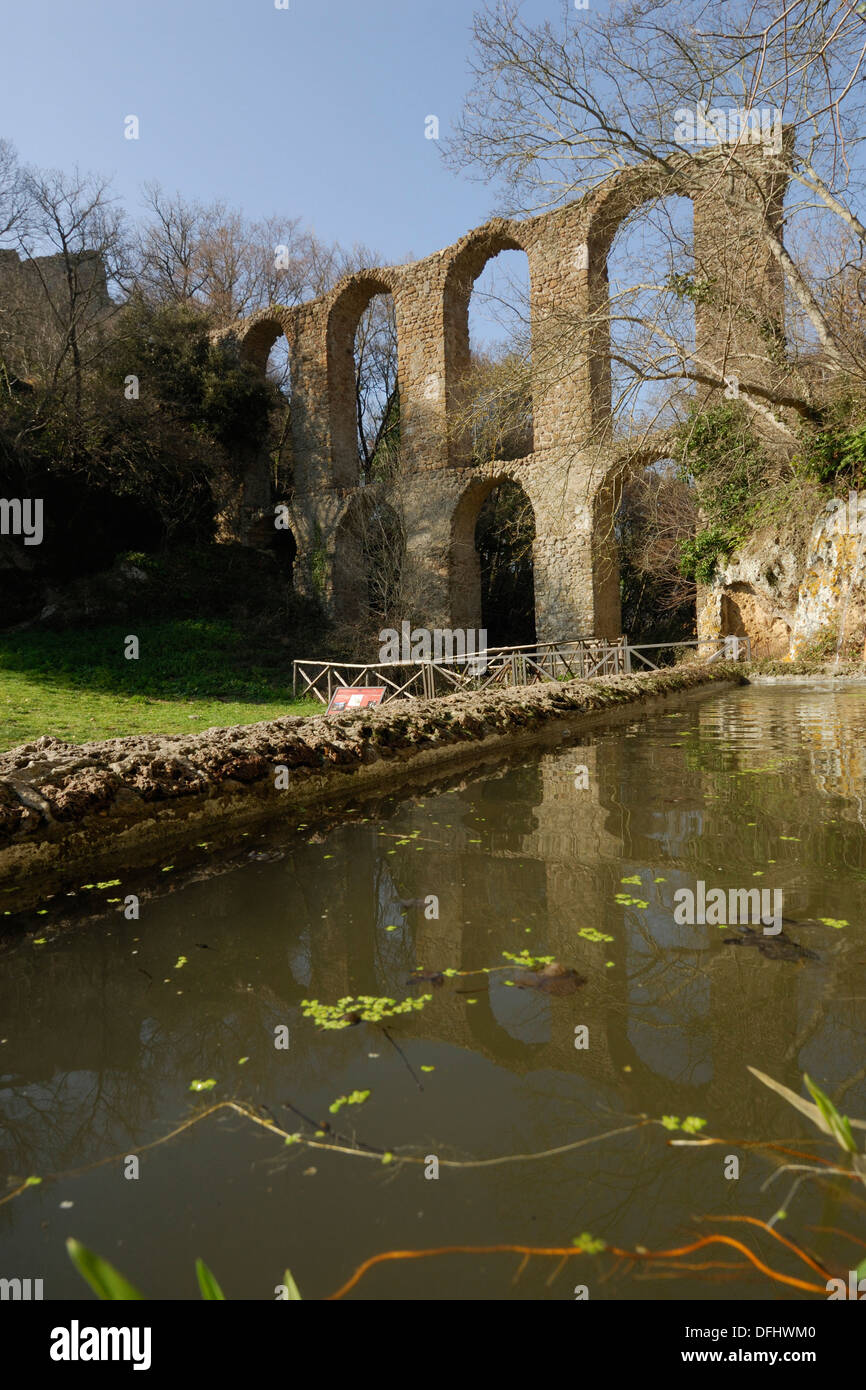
[(464, 564), (343, 318)]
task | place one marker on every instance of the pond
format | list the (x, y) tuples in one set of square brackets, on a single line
[(542, 1108)]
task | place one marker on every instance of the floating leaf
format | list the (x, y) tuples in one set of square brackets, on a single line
[(693, 1123), (356, 1098), (588, 1244), (202, 1085)]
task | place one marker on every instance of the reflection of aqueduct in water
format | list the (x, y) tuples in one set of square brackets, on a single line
[(570, 476)]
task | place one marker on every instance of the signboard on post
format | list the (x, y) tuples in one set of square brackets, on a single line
[(355, 697)]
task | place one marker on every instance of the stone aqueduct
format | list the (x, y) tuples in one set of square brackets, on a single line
[(570, 477)]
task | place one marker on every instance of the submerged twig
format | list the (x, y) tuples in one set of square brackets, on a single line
[(399, 1049)]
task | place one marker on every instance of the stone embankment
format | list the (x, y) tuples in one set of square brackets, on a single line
[(69, 810)]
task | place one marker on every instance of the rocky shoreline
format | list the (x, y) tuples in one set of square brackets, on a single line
[(68, 810)]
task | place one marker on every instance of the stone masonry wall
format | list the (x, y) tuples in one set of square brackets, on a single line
[(570, 477)]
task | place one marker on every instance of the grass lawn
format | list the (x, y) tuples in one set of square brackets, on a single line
[(190, 675)]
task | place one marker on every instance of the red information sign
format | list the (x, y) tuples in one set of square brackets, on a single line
[(355, 697)]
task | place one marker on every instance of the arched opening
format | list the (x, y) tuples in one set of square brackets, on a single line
[(285, 549), (492, 573), (278, 371), (504, 539), (262, 473), (645, 508), (362, 379), (488, 352), (653, 289), (369, 552), (655, 516), (377, 399)]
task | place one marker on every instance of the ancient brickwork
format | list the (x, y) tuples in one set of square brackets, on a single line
[(570, 477)]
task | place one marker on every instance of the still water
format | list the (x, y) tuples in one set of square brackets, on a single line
[(106, 1023)]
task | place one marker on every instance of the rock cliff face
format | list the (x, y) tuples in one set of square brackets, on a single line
[(785, 598)]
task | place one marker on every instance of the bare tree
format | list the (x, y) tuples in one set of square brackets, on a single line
[(557, 108), (72, 219)]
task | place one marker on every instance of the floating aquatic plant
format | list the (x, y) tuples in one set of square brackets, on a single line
[(356, 1098), (365, 1008), (591, 934), (590, 1245), (692, 1124), (527, 961)]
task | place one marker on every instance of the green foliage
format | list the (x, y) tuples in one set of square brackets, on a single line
[(210, 1289), (318, 563), (730, 470), (590, 1245), (692, 289), (700, 555), (592, 934), (528, 961), (102, 1277), (365, 1008), (692, 1124), (839, 1126), (355, 1098), (213, 392), (112, 1287), (822, 1113), (836, 455), (626, 900)]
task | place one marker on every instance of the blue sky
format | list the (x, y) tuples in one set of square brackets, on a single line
[(317, 111)]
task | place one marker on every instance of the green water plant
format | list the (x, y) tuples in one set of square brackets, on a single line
[(113, 1287), (590, 1245), (363, 1008), (592, 934), (823, 1113), (356, 1098), (626, 900), (527, 961), (692, 1124)]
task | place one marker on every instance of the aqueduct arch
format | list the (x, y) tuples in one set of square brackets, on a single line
[(570, 475)]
